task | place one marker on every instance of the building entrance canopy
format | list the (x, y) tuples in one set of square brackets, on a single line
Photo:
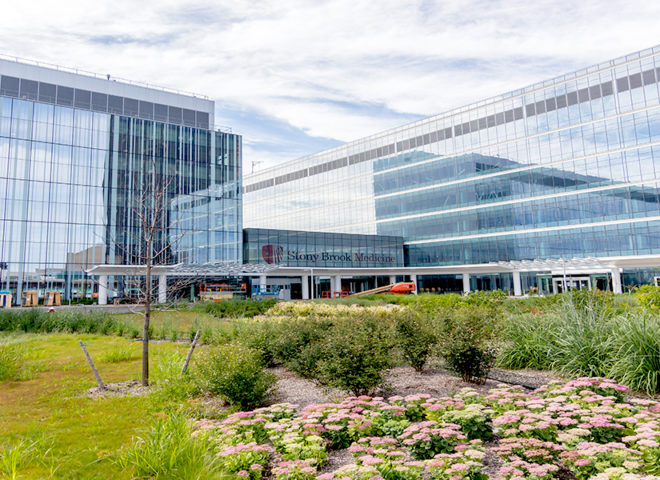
[(557, 266)]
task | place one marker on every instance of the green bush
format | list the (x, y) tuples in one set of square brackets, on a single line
[(170, 450), (236, 373), (356, 354), (648, 296), (636, 359), (466, 344), (236, 308), (260, 336), (415, 338)]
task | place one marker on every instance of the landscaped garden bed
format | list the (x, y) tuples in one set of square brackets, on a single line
[(376, 382), (586, 428)]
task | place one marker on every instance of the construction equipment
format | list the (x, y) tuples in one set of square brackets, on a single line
[(53, 299), (401, 288), (5, 299), (30, 299), (215, 292)]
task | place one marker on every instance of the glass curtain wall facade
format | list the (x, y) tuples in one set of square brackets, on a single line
[(317, 249), (569, 167), (75, 179)]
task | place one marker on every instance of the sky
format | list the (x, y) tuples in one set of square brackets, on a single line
[(295, 77)]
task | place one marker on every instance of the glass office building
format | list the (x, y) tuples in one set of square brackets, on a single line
[(566, 168), (82, 158)]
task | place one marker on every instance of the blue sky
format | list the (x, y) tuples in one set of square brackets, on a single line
[(295, 77)]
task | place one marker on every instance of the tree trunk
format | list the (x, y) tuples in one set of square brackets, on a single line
[(145, 326)]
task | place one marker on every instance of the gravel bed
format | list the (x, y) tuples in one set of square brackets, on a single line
[(530, 379), (291, 388), (120, 389)]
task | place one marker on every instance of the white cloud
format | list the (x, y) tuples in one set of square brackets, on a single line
[(317, 64)]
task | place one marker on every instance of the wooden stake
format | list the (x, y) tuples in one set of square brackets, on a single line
[(91, 364), (190, 352)]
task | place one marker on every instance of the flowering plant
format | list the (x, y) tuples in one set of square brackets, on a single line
[(519, 469), (295, 470), (589, 459), (465, 464), (529, 449), (245, 458), (427, 439)]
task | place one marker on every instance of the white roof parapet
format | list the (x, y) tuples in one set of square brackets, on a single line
[(586, 263), (221, 269)]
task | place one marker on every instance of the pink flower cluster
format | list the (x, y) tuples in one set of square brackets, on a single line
[(294, 469)]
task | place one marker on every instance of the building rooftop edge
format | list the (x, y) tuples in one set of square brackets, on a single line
[(480, 103), (104, 77)]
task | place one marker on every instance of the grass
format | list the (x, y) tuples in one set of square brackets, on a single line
[(169, 450), (84, 433), (637, 359)]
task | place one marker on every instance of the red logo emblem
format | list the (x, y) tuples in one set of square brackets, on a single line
[(272, 253)]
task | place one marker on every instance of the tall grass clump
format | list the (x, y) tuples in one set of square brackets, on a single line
[(12, 361), (528, 341), (583, 343), (636, 361), (40, 321), (170, 450), (16, 457), (119, 353)]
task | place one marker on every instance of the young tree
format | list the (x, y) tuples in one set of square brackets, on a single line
[(149, 237)]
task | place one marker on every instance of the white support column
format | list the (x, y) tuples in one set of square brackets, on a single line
[(305, 287), (162, 288), (466, 283), (616, 281), (414, 278), (263, 282), (392, 279), (103, 289), (336, 283), (517, 288)]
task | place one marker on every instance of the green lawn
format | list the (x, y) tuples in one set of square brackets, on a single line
[(76, 435)]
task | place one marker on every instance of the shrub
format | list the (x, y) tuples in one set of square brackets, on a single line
[(356, 355), (471, 361), (236, 373), (260, 336), (649, 297), (297, 344), (415, 337), (170, 450), (466, 343), (637, 359), (236, 308)]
